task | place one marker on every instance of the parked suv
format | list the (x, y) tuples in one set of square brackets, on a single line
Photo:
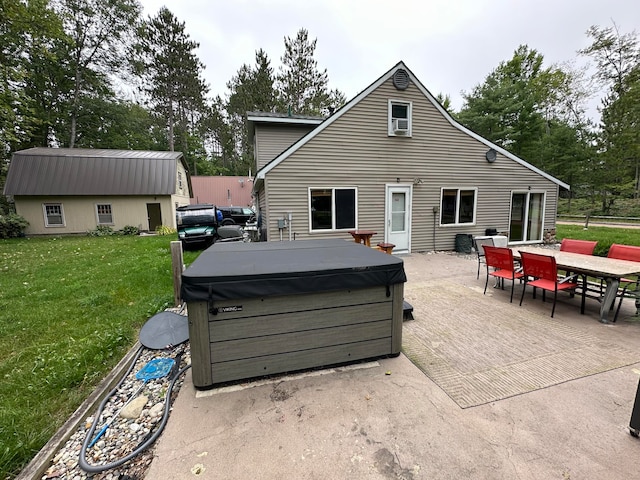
[(197, 224), (236, 215)]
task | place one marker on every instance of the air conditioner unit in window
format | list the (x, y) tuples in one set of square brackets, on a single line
[(400, 126)]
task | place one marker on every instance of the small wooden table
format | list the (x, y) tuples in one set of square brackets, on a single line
[(609, 269), (362, 236), (386, 247)]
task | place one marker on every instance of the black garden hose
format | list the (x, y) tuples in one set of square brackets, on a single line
[(149, 440)]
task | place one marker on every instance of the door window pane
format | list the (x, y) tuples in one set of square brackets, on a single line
[(398, 209)]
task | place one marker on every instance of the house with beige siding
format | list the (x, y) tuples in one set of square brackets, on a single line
[(393, 161), (73, 190)]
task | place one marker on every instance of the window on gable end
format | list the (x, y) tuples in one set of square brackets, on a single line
[(399, 118)]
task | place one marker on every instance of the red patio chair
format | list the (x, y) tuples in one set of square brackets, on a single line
[(630, 253), (585, 247), (541, 271), (500, 258)]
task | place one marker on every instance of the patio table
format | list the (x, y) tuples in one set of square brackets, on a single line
[(362, 236), (611, 270)]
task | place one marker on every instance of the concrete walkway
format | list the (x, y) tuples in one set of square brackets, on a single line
[(386, 419)]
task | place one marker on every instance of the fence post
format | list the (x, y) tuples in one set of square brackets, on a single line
[(177, 265), (586, 222)]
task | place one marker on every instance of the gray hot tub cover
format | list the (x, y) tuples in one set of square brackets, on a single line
[(227, 271)]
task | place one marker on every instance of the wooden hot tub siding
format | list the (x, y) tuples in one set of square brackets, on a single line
[(295, 332)]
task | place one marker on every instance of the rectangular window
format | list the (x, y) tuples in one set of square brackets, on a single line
[(457, 206), (180, 180), (332, 208), (53, 215), (105, 216), (399, 118)]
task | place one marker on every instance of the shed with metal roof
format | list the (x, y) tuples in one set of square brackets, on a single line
[(69, 190)]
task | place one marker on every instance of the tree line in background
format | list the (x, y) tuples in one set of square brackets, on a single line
[(95, 74)]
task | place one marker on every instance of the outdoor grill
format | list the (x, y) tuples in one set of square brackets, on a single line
[(272, 307)]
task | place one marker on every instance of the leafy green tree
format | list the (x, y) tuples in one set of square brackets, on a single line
[(31, 37), (100, 31), (617, 59), (302, 87), (172, 75), (118, 124), (529, 110)]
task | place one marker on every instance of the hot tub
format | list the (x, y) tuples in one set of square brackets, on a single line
[(272, 307)]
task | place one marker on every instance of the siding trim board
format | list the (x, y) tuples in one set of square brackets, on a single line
[(349, 105)]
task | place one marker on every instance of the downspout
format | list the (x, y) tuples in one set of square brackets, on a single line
[(435, 214)]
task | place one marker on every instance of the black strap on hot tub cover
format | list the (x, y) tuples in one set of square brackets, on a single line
[(249, 270)]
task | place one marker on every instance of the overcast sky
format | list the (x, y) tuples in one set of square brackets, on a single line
[(450, 45)]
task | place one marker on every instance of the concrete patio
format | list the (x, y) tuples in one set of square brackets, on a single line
[(387, 419)]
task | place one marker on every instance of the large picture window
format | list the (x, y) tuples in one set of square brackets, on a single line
[(332, 208), (457, 206), (53, 215)]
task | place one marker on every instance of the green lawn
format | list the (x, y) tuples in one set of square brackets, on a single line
[(604, 235), (70, 307)]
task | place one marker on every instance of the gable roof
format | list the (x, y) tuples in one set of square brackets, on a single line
[(78, 171), (354, 101), (227, 191)]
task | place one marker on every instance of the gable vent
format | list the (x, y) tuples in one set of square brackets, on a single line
[(401, 79)]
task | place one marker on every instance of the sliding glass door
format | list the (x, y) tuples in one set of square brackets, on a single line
[(527, 217)]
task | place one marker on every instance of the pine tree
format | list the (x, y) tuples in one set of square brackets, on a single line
[(302, 86), (172, 75)]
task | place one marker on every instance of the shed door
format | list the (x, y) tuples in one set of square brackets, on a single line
[(398, 225), (154, 215)]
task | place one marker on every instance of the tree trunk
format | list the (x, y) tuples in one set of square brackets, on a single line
[(74, 105), (170, 119)]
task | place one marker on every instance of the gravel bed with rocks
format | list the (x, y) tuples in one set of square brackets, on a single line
[(123, 435)]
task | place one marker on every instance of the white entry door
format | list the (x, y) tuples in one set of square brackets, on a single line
[(398, 215)]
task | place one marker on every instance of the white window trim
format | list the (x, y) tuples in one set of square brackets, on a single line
[(409, 105), (46, 217), (98, 214), (333, 209), (475, 206)]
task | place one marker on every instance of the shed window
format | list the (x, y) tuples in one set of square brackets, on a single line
[(399, 118), (332, 208), (180, 180), (53, 215), (105, 217), (457, 206)]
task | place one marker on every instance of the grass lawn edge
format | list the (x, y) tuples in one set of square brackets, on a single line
[(39, 464)]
